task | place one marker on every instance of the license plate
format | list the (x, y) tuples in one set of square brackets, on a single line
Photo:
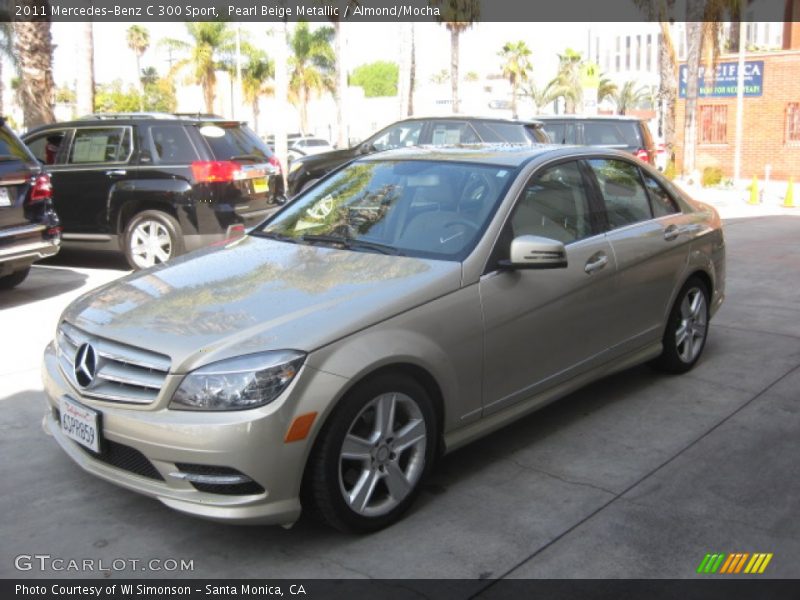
[(80, 423), (5, 200), (260, 185)]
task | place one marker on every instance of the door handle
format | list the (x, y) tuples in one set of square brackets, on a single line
[(116, 172), (596, 262), (671, 233)]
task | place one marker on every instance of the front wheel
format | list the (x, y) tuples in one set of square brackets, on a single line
[(687, 329), (373, 453), (152, 237)]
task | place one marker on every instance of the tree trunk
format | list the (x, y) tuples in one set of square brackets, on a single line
[(139, 83), (33, 45), (340, 87), (668, 87), (405, 68), (514, 114), (694, 38), (303, 110), (84, 93), (412, 73), (208, 92), (454, 33), (281, 96), (255, 113)]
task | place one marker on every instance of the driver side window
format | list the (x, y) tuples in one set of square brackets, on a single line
[(399, 136), (555, 205)]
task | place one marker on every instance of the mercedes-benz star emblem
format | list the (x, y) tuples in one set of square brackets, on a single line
[(85, 365)]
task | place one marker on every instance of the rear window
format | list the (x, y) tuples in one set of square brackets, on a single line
[(612, 133), (507, 133), (557, 132), (171, 145), (231, 142), (11, 148)]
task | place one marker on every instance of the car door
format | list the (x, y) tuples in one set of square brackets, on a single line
[(96, 159), (649, 236), (545, 326)]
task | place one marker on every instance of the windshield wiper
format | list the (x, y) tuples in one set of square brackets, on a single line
[(350, 243), (274, 235)]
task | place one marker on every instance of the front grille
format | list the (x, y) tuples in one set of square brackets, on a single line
[(123, 373), (234, 489)]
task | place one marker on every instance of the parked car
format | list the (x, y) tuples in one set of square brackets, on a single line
[(306, 171), (630, 134), (407, 304), (29, 226), (311, 145), (155, 186)]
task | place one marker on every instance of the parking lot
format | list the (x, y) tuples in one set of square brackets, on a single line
[(636, 476)]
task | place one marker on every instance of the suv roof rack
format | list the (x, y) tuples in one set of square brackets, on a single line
[(129, 115), (196, 115)]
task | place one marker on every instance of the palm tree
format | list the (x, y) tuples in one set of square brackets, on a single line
[(34, 49), (516, 67), (211, 48), (567, 82), (629, 97), (139, 41), (457, 16), (312, 65), (6, 53), (606, 89), (255, 75), (541, 96), (85, 78)]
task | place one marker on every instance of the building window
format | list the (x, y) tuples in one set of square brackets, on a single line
[(713, 124), (638, 53), (649, 57), (627, 53), (793, 123)]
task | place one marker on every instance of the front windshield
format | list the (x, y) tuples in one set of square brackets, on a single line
[(432, 209)]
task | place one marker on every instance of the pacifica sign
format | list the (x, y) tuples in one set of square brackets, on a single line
[(724, 81)]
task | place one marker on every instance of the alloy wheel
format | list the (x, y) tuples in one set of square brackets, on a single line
[(150, 244), (692, 325)]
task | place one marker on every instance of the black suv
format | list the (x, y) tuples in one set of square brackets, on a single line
[(307, 170), (156, 185), (29, 227), (630, 134)]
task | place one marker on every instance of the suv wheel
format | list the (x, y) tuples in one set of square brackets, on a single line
[(372, 455), (9, 281), (152, 237)]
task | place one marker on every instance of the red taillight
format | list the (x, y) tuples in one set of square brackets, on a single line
[(273, 160), (215, 170), (42, 188), (643, 154)]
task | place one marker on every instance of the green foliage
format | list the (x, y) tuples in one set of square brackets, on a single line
[(65, 95), (711, 176), (378, 78), (440, 77), (159, 96)]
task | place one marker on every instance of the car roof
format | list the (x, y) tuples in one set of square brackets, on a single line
[(111, 119), (471, 118), (507, 155), (588, 118)]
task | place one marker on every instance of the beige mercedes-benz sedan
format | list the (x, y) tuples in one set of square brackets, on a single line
[(405, 305)]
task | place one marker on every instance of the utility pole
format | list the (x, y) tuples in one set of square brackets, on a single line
[(737, 156)]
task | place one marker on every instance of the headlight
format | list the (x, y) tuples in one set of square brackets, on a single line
[(238, 383), (296, 164)]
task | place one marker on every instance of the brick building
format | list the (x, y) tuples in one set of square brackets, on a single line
[(771, 122)]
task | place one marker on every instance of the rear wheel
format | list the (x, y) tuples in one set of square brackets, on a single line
[(373, 453), (152, 237), (687, 329), (9, 281)]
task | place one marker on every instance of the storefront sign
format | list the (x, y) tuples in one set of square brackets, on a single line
[(723, 83)]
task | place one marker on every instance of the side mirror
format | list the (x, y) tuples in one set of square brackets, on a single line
[(366, 148), (534, 252)]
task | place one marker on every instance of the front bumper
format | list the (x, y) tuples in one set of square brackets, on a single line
[(250, 442)]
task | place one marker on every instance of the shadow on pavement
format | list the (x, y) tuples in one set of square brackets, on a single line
[(42, 282), (88, 259)]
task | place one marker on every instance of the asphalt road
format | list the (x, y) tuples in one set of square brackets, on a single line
[(639, 475)]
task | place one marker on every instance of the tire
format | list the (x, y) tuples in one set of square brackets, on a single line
[(369, 483), (9, 281), (139, 251), (682, 349)]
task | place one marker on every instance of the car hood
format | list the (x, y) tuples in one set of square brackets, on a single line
[(256, 294)]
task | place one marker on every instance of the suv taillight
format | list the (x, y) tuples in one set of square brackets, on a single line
[(215, 170), (643, 154), (273, 160), (42, 189)]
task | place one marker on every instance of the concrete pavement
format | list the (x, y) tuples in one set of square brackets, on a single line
[(638, 475)]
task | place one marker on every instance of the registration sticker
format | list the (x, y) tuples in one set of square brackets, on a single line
[(5, 200), (260, 185), (80, 423)]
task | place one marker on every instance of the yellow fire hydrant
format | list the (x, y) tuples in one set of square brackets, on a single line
[(754, 191)]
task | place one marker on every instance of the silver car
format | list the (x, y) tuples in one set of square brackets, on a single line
[(411, 302)]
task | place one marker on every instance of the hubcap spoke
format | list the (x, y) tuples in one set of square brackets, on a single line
[(384, 415), (356, 448), (409, 435), (396, 481), (362, 491), (680, 335)]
